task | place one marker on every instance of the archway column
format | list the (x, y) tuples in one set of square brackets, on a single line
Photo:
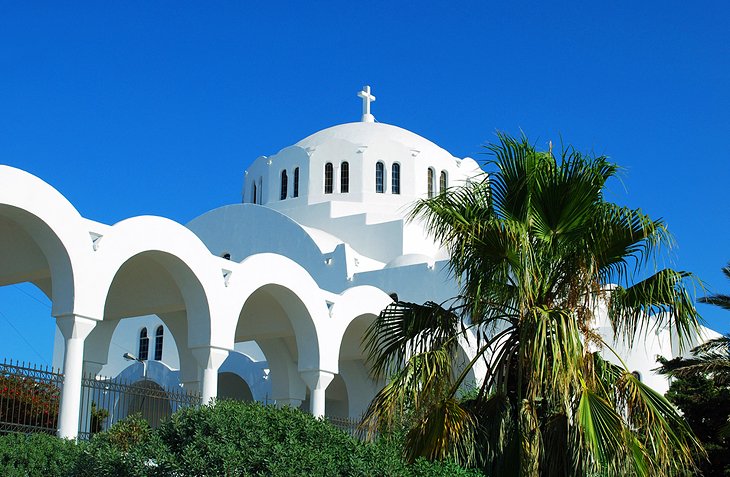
[(74, 329), (317, 380), (209, 359)]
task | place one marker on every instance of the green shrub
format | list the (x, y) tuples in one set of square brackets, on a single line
[(232, 438), (225, 439), (41, 455), (130, 448)]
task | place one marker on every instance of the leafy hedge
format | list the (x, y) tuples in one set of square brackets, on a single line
[(34, 455), (225, 439)]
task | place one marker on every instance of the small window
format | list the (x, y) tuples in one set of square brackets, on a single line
[(379, 179), (158, 342), (395, 179), (430, 182), (328, 178), (296, 182), (284, 185), (144, 345), (345, 177), (442, 182), (253, 192), (261, 190)]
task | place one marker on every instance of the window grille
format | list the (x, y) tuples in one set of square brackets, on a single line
[(430, 182), (328, 178), (284, 185), (144, 345), (379, 179), (345, 177), (159, 337), (296, 182), (395, 178)]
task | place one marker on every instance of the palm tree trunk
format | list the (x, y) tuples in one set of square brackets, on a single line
[(529, 441)]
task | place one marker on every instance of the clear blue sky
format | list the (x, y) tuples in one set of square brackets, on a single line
[(133, 108)]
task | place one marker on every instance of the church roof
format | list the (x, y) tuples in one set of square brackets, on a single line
[(367, 134)]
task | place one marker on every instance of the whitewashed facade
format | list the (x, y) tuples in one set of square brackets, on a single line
[(267, 299)]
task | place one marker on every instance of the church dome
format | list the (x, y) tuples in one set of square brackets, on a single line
[(368, 134)]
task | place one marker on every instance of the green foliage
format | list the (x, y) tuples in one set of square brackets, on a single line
[(98, 416), (542, 260), (225, 439), (706, 406), (37, 455), (701, 389), (250, 439)]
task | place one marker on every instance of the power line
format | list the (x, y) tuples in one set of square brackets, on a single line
[(31, 296), (47, 305), (23, 337)]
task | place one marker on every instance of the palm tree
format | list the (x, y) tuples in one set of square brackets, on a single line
[(538, 252), (710, 358)]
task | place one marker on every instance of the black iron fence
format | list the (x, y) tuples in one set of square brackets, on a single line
[(106, 401), (346, 424), (29, 398)]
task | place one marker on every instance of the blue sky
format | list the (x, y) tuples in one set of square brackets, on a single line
[(132, 108)]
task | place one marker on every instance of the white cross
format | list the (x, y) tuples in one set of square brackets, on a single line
[(367, 98)]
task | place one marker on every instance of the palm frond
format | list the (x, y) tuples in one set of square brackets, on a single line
[(405, 329), (710, 358), (660, 300), (445, 430), (601, 431), (668, 440)]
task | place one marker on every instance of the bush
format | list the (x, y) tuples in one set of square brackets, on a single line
[(37, 455), (232, 438), (225, 439)]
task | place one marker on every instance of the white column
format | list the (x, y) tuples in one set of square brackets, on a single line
[(209, 359), (317, 380), (74, 329)]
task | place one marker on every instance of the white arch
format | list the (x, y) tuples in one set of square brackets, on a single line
[(59, 231), (351, 304), (355, 304), (308, 316), (196, 272)]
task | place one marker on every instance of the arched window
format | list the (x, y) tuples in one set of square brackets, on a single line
[(379, 177), (395, 179), (296, 182), (158, 342), (430, 182), (144, 345), (284, 185), (442, 182), (253, 192), (328, 178), (345, 177)]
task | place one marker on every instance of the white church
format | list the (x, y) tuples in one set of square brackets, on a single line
[(263, 300)]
